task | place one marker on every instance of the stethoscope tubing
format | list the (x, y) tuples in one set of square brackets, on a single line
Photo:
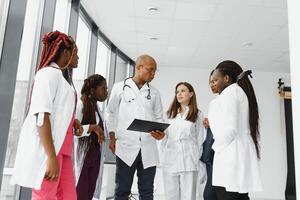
[(126, 85)]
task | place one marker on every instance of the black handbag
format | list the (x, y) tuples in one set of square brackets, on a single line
[(208, 153)]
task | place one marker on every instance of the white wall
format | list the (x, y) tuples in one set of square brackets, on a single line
[(273, 147), (294, 32)]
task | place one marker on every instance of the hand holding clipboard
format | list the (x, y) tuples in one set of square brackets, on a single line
[(154, 128)]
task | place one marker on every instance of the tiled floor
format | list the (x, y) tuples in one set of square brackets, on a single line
[(161, 197), (107, 191), (108, 186)]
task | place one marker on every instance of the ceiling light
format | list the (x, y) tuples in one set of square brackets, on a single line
[(248, 44), (152, 9)]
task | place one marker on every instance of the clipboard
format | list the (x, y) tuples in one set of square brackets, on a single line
[(147, 126)]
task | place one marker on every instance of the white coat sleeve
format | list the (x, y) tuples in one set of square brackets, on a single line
[(163, 142), (112, 110), (79, 115), (229, 125), (200, 130), (44, 90), (158, 108)]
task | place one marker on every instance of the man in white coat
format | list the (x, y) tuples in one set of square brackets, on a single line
[(135, 151)]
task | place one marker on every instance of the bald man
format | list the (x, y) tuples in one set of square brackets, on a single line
[(135, 98)]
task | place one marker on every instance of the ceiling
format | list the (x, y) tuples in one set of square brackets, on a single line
[(198, 33)]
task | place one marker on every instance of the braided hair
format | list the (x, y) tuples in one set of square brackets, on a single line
[(89, 109), (54, 43), (236, 74)]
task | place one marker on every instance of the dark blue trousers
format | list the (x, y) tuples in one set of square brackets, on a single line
[(124, 179), (209, 190)]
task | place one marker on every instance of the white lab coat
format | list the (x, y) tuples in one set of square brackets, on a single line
[(235, 162), (181, 152), (182, 146), (120, 113), (80, 160), (52, 94)]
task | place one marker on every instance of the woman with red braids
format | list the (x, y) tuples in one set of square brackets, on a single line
[(44, 155)]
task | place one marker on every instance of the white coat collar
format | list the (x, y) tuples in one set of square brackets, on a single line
[(187, 109), (53, 64), (229, 88), (133, 85)]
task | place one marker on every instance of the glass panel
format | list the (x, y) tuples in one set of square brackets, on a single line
[(62, 16), (130, 71), (102, 64), (4, 4), (27, 59), (108, 184), (121, 69), (83, 42), (102, 60)]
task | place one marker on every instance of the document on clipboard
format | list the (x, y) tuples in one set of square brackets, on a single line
[(147, 126)]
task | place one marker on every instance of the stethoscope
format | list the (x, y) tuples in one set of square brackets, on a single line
[(148, 96)]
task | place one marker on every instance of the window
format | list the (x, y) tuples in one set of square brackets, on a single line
[(3, 17), (27, 60), (121, 69), (83, 43), (62, 16), (130, 71), (102, 64), (102, 60)]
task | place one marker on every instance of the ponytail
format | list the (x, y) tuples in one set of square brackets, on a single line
[(237, 75)]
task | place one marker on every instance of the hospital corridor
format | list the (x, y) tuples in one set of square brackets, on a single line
[(149, 99)]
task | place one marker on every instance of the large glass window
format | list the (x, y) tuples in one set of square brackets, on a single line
[(102, 68), (102, 64), (109, 170), (83, 42), (27, 60), (130, 70), (102, 60), (62, 16), (4, 4), (121, 69)]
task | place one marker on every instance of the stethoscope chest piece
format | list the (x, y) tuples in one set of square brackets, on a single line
[(149, 95)]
